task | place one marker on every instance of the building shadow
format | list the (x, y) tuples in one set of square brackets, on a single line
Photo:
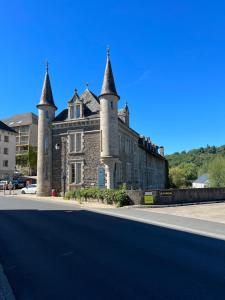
[(78, 254)]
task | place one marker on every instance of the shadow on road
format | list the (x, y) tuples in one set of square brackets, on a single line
[(85, 255)]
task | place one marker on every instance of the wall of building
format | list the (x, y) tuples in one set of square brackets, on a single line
[(140, 169), (33, 134), (11, 156), (89, 156)]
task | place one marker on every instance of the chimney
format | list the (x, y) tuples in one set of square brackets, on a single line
[(161, 150)]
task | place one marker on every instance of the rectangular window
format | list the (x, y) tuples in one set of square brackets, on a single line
[(5, 163), (76, 142), (71, 112), (6, 151), (77, 111), (128, 172), (119, 172), (6, 138), (76, 169)]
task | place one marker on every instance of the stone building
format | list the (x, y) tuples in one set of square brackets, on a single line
[(90, 143)]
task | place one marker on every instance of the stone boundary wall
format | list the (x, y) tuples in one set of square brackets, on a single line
[(178, 196)]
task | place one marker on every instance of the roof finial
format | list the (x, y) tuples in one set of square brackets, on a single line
[(108, 52), (46, 66), (87, 85), (75, 91)]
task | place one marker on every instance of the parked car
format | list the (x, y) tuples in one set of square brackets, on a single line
[(21, 183), (3, 183), (30, 189), (15, 183)]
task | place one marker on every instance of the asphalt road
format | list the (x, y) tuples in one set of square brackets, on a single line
[(77, 254)]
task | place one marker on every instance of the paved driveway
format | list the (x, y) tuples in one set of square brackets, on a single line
[(214, 212)]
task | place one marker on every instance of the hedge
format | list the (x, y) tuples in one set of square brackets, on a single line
[(117, 197)]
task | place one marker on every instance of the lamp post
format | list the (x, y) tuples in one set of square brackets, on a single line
[(57, 147)]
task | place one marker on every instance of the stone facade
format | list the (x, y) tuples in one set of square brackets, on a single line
[(93, 145)]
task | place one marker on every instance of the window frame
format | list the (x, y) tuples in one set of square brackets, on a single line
[(74, 164), (74, 148)]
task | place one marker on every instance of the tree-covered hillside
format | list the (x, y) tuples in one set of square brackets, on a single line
[(196, 156), (184, 167)]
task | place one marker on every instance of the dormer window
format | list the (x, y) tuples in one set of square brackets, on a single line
[(78, 111), (71, 112), (75, 107)]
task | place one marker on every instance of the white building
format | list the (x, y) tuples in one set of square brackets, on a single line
[(201, 182), (7, 150)]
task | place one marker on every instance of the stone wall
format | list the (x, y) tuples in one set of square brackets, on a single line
[(179, 196), (90, 155)]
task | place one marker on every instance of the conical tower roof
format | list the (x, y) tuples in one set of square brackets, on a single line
[(46, 96), (108, 85)]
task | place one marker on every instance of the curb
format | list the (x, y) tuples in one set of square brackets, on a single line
[(6, 292)]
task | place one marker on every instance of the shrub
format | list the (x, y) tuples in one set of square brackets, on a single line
[(121, 198), (69, 195), (118, 197)]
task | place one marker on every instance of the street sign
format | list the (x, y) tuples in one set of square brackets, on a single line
[(148, 198)]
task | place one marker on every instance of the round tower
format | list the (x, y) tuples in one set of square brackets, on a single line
[(46, 113), (109, 123)]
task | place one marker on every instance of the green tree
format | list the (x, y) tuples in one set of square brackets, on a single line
[(28, 159), (190, 170), (177, 177), (217, 172)]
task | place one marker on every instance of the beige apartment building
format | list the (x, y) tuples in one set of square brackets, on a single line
[(26, 126)]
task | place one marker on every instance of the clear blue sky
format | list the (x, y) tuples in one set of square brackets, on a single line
[(168, 59)]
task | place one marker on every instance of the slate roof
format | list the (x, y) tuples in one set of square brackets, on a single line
[(108, 85), (202, 179), (3, 126), (63, 116), (91, 106), (46, 96), (21, 120)]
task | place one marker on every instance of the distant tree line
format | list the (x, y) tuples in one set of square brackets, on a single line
[(184, 167)]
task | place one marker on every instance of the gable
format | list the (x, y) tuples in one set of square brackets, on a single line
[(90, 101)]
